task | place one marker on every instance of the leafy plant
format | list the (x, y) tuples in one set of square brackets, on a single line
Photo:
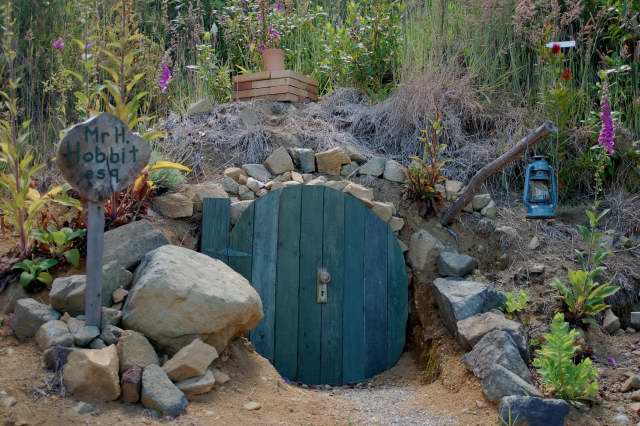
[(167, 178), (58, 242), (425, 173), (561, 376), (584, 296), (516, 302), (35, 271)]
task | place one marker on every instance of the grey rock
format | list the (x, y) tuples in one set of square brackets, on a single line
[(472, 329), (621, 419), (490, 211), (110, 316), (424, 248), (237, 209), (74, 324), (532, 411), (85, 335), (459, 300), (230, 185), (611, 322), (480, 201), (53, 333), (455, 265), (304, 158), (338, 185), (197, 192), (97, 344), (246, 194), (190, 361), (394, 172), (110, 334), (500, 382), (508, 231), (197, 385), (83, 408), (634, 320), (134, 350), (279, 161), (173, 205), (55, 358), (220, 376), (203, 106), (254, 184), (67, 293), (258, 172), (632, 383), (160, 394), (10, 295), (348, 169), (29, 316), (496, 348), (373, 167), (119, 246), (534, 243), (180, 295)]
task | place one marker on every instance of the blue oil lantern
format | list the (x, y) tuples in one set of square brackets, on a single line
[(540, 189)]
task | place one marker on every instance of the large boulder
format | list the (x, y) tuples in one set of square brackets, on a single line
[(424, 248), (394, 172), (190, 361), (532, 411), (496, 348), (67, 293), (93, 374), (127, 244), (160, 394), (174, 205), (331, 161), (29, 315), (472, 329), (179, 295), (499, 382), (459, 300)]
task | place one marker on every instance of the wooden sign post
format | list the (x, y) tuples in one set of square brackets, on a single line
[(99, 157)]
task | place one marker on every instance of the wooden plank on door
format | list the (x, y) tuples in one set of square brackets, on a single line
[(354, 347), (241, 241), (263, 274), (333, 261), (215, 228), (398, 299), (287, 282), (309, 332), (375, 294)]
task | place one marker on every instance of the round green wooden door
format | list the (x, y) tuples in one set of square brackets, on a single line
[(333, 284)]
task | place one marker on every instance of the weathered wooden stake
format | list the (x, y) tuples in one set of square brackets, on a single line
[(495, 166), (95, 246)]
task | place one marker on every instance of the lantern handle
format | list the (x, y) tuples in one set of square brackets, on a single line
[(526, 185)]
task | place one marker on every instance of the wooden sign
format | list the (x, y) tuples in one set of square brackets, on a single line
[(99, 157), (102, 156)]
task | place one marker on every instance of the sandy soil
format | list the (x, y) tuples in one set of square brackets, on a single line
[(398, 396)]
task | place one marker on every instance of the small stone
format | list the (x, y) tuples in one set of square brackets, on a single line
[(331, 161), (291, 183), (158, 393), (455, 265), (85, 335), (237, 209), (362, 193), (220, 376), (174, 205), (235, 173), (93, 374), (110, 334), (258, 172), (190, 361), (500, 382), (110, 316), (29, 315), (262, 193), (279, 161), (55, 358), (396, 224), (307, 177), (635, 396), (394, 172), (509, 231), (83, 408), (534, 244), (119, 295), (53, 333), (383, 210), (338, 185), (634, 320), (468, 208), (424, 248), (246, 194), (297, 177), (254, 184), (452, 189), (319, 181), (480, 201), (611, 322), (8, 401), (97, 344), (635, 408), (632, 383), (230, 185), (621, 419), (197, 385), (252, 406), (131, 384), (348, 169), (135, 350), (532, 411), (373, 167), (490, 210), (304, 158)]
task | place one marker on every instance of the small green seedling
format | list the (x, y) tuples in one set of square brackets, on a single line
[(58, 241), (516, 302), (35, 271)]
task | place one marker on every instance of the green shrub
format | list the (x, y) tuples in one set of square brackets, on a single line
[(165, 179), (561, 376), (34, 273), (59, 242), (516, 302)]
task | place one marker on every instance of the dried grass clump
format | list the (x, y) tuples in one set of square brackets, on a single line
[(624, 216)]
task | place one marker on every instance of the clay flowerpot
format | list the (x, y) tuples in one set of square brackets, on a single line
[(273, 59)]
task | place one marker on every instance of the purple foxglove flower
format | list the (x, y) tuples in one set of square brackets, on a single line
[(165, 78), (58, 44), (273, 33), (612, 361), (278, 7), (608, 132)]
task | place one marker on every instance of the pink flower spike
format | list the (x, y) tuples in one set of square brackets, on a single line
[(58, 44), (606, 139), (165, 78)]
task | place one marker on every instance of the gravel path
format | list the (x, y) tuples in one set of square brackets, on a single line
[(389, 405)]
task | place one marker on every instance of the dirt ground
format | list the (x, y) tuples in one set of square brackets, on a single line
[(398, 396)]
